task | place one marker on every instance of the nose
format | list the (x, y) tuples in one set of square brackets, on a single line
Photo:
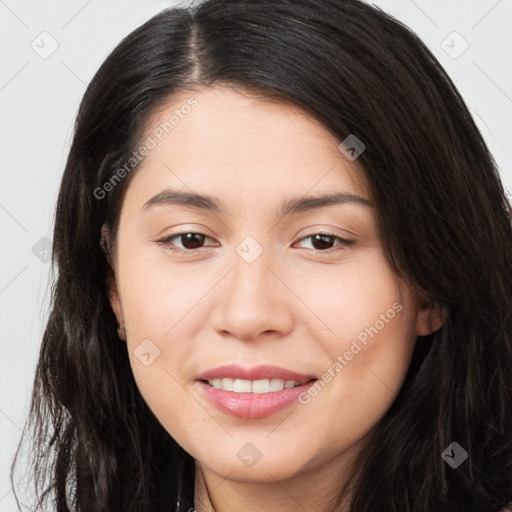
[(252, 301)]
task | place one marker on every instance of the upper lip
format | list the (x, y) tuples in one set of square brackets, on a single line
[(256, 373)]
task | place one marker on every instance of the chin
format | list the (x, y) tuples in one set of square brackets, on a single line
[(273, 464)]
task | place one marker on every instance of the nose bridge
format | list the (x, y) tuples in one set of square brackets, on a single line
[(250, 277), (251, 281), (252, 300)]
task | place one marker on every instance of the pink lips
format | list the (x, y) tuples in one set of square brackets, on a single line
[(258, 372), (253, 405)]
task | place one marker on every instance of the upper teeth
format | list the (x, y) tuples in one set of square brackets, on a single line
[(252, 386)]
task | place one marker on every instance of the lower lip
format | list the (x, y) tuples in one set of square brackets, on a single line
[(253, 405)]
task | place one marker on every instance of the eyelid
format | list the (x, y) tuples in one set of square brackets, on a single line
[(167, 239), (344, 242)]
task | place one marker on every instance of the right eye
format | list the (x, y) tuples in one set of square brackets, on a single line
[(190, 241)]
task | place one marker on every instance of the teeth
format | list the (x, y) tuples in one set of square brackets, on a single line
[(227, 384), (253, 386)]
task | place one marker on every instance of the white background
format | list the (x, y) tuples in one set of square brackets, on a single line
[(38, 101)]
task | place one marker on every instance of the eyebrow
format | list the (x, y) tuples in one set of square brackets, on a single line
[(203, 202)]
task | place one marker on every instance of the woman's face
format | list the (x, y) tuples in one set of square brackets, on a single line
[(259, 285)]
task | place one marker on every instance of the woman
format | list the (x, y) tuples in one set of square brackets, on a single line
[(283, 254)]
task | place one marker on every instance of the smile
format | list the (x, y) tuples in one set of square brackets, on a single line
[(261, 386)]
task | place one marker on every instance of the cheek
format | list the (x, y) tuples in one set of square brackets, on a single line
[(372, 324), (161, 298), (355, 299), (161, 307)]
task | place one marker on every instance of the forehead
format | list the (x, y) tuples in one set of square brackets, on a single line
[(230, 143)]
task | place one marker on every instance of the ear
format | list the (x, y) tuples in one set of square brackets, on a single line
[(113, 293), (113, 296), (431, 317)]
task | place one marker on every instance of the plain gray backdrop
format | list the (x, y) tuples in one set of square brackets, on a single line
[(49, 52)]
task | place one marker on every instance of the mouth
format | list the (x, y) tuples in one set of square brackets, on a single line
[(261, 386), (255, 374), (253, 393)]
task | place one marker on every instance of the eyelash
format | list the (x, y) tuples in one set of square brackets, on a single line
[(166, 242)]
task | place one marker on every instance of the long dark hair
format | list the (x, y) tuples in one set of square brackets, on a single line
[(443, 215)]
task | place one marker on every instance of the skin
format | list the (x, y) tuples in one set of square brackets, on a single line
[(292, 307)]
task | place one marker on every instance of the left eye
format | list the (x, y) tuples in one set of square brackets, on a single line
[(190, 241), (325, 241)]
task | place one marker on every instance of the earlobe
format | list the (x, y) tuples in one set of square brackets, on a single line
[(121, 331), (113, 296), (431, 317), (115, 303)]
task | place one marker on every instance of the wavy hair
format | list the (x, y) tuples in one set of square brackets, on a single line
[(442, 212)]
